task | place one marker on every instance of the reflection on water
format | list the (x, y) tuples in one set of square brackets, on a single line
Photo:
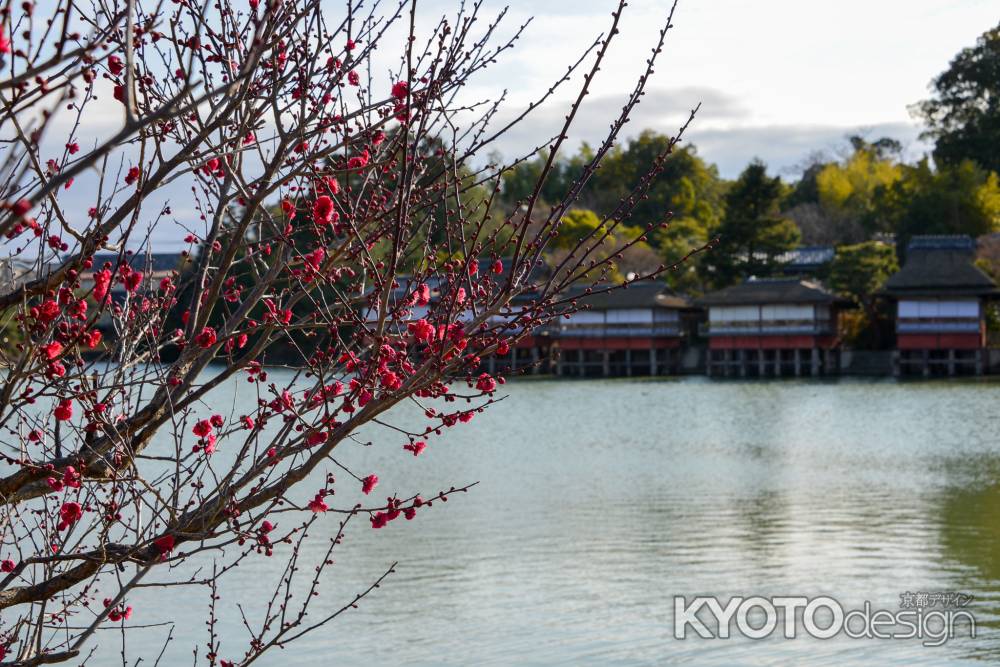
[(599, 501)]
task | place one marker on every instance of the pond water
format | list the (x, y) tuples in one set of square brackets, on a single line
[(599, 501)]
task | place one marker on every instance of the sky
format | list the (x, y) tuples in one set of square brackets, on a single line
[(777, 79)]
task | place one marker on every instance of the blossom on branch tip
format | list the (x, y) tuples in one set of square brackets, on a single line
[(317, 505), (416, 447)]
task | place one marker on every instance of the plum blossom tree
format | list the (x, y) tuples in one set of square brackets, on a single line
[(322, 167)]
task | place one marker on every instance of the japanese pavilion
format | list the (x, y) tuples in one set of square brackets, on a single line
[(636, 330), (940, 298), (772, 327)]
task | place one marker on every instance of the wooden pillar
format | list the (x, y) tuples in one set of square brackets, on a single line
[(814, 362), (798, 363), (761, 362), (534, 360), (559, 362), (513, 358), (743, 363), (652, 362), (628, 362), (606, 354), (951, 362), (492, 364)]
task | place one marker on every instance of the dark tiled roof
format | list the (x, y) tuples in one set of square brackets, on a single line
[(940, 265), (645, 294), (769, 290), (807, 256), (942, 242)]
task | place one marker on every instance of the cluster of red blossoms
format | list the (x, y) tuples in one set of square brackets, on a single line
[(368, 484), (127, 276), (46, 320), (64, 411), (262, 536), (393, 510), (206, 338), (69, 513), (119, 613), (70, 479), (206, 438), (416, 447), (20, 209)]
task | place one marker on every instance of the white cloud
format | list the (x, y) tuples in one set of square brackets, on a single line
[(773, 75)]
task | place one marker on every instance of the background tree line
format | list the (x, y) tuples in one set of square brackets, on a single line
[(860, 202)]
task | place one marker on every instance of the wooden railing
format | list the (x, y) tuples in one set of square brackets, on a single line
[(937, 325), (622, 329)]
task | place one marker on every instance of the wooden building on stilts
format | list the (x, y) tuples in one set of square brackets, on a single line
[(940, 301), (631, 331), (772, 327)]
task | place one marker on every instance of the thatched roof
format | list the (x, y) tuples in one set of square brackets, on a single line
[(940, 266), (770, 290)]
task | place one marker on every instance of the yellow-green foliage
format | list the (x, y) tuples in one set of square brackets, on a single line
[(854, 186), (576, 225)]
